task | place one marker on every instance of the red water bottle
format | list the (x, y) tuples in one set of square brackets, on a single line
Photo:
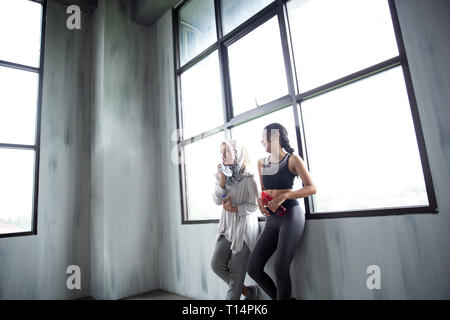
[(266, 198)]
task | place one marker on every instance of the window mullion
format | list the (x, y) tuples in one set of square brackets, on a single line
[(288, 62), (223, 64)]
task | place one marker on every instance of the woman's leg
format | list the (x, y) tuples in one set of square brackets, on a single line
[(264, 248), (291, 231), (221, 257), (238, 269)]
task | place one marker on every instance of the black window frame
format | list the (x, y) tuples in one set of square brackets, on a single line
[(293, 100), (37, 146)]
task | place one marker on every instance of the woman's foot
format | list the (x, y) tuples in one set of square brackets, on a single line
[(252, 293)]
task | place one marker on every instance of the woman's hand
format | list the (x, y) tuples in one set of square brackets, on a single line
[(275, 202), (226, 203), (221, 176), (262, 208)]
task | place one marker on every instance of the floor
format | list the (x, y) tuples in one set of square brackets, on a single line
[(152, 295), (157, 295)]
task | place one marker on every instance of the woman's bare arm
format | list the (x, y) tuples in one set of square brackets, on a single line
[(263, 210), (297, 165), (260, 164)]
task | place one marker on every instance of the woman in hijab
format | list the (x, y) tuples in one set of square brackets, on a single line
[(236, 191)]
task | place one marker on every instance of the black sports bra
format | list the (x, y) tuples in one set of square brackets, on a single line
[(277, 175)]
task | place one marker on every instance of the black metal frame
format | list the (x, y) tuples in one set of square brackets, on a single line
[(294, 100), (37, 146)]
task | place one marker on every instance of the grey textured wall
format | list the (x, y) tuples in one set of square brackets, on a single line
[(97, 158), (411, 250), (34, 267), (124, 218), (147, 12), (184, 249)]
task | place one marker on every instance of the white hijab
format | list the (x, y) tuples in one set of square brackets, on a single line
[(234, 172)]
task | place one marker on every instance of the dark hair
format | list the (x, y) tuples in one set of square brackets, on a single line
[(284, 140)]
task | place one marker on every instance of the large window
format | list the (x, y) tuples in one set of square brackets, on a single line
[(21, 56), (254, 81), (362, 146), (332, 39), (334, 73)]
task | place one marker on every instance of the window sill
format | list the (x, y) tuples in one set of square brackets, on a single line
[(18, 234), (373, 212), (349, 214)]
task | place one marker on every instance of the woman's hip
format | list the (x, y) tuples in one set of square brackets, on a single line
[(293, 214)]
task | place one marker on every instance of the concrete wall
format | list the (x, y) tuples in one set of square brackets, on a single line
[(411, 250), (147, 12), (34, 267), (184, 249), (124, 229), (97, 154)]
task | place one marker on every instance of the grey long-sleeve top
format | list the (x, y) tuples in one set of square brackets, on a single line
[(243, 225)]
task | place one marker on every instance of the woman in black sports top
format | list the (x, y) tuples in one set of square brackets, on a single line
[(281, 232)]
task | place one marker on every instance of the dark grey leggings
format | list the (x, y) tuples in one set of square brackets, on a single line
[(282, 234)]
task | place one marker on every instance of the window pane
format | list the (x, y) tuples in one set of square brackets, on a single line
[(235, 12), (250, 135), (16, 190), (18, 105), (201, 160), (332, 39), (201, 97), (362, 146), (20, 31), (197, 28), (257, 71)]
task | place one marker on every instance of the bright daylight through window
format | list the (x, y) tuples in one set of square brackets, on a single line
[(20, 72), (334, 73)]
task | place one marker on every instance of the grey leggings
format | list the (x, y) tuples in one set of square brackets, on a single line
[(230, 267), (282, 234)]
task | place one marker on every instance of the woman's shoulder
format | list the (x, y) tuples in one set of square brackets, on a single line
[(292, 158), (247, 175), (250, 179), (262, 161)]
